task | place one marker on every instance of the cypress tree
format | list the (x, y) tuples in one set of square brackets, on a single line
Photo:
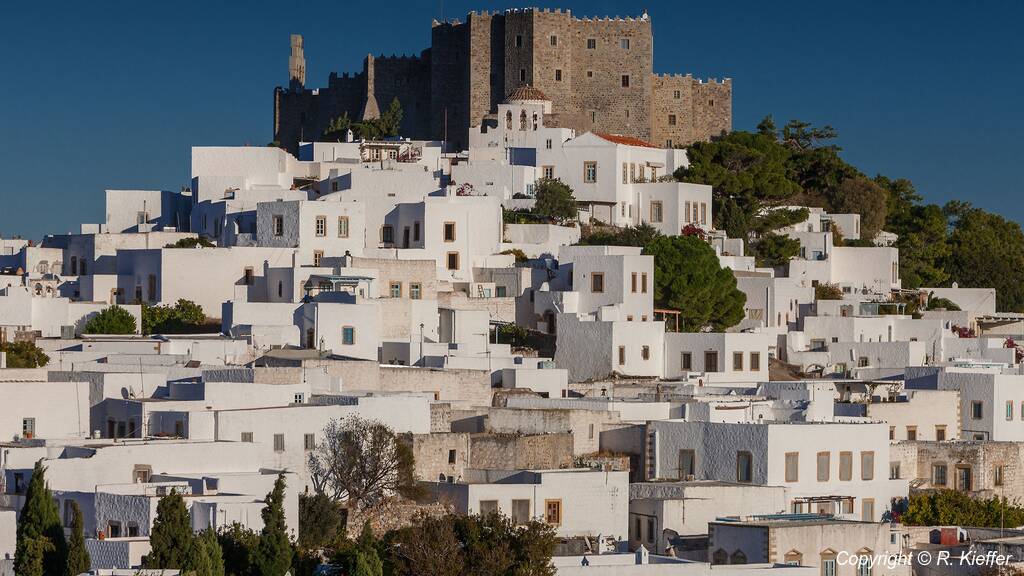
[(205, 557), (273, 555), (78, 556), (40, 536), (171, 536)]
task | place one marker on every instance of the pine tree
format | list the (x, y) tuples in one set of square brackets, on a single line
[(171, 536), (78, 556), (40, 537), (273, 555)]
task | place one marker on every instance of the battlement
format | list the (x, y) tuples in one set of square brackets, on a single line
[(689, 77), (469, 69), (404, 58)]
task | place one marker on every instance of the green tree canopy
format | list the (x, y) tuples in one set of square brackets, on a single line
[(112, 320), (688, 278), (640, 235), (40, 547), (955, 508), (273, 554), (192, 242), (387, 125), (24, 354), (320, 521), (476, 545), (185, 316), (775, 250), (987, 251), (859, 195), (171, 536), (337, 128), (78, 556), (204, 556), (554, 200)]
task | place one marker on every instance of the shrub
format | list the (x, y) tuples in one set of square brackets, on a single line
[(184, 316), (942, 304), (519, 254), (192, 243), (113, 320), (555, 200), (24, 355), (828, 292), (955, 508)]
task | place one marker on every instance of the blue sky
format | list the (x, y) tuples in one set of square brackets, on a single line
[(112, 94)]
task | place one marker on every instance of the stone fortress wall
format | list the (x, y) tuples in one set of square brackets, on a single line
[(598, 73)]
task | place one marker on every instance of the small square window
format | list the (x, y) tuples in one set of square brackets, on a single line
[(591, 43), (625, 80), (278, 442), (318, 256), (553, 512), (415, 290), (590, 73), (558, 75), (671, 119), (453, 260), (597, 282), (590, 172), (554, 40), (449, 231), (395, 289), (309, 442), (488, 507), (624, 43), (348, 335), (547, 144), (676, 94), (246, 437)]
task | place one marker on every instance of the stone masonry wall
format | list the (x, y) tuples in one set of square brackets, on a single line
[(514, 452), (701, 109), (472, 66)]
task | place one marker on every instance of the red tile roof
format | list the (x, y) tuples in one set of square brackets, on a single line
[(526, 92), (624, 140)]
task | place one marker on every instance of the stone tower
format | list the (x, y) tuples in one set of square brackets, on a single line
[(597, 71), (297, 63)]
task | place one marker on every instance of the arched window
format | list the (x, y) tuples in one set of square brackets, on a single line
[(522, 120), (39, 289), (508, 120), (720, 557), (535, 127), (738, 557)]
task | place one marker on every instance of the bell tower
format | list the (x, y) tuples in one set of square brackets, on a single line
[(297, 64)]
